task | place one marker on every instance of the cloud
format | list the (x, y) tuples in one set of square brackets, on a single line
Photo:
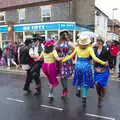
[(107, 6)]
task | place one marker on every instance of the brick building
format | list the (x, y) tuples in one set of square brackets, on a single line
[(114, 29), (14, 13)]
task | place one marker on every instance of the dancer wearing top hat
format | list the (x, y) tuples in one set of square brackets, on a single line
[(83, 78)]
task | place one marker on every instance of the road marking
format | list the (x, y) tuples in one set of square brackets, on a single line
[(16, 100), (115, 80), (52, 107), (98, 116)]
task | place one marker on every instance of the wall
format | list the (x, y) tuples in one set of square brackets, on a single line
[(83, 12), (101, 22), (12, 16), (32, 14), (62, 12)]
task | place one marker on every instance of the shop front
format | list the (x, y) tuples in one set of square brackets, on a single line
[(4, 36), (48, 30)]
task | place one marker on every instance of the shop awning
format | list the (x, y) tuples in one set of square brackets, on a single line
[(3, 28), (48, 27)]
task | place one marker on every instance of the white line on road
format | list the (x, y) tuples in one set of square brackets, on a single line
[(98, 116), (16, 100), (52, 107)]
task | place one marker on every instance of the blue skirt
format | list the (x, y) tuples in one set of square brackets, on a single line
[(83, 73), (102, 78)]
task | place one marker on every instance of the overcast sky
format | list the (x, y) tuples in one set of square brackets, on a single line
[(108, 5)]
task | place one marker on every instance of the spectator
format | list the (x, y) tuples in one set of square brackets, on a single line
[(114, 52), (10, 56)]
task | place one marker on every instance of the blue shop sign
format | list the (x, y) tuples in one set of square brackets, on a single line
[(3, 29), (40, 27), (67, 26), (82, 28), (37, 27), (51, 26)]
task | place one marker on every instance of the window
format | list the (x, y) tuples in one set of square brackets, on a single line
[(21, 13), (46, 13), (4, 36), (2, 18)]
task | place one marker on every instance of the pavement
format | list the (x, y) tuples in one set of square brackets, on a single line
[(11, 70), (14, 105)]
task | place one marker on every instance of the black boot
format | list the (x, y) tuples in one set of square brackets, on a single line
[(38, 91), (84, 101), (26, 91), (99, 101), (78, 93)]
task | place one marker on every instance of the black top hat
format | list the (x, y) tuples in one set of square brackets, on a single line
[(37, 37)]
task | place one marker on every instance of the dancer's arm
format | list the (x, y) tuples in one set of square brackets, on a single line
[(70, 56), (56, 56), (92, 54), (38, 58)]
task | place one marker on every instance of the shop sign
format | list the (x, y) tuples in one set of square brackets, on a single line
[(4, 29), (36, 27), (51, 26)]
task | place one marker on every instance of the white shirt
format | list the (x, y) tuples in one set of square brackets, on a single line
[(33, 51)]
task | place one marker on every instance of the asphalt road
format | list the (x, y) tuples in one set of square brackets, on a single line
[(14, 105)]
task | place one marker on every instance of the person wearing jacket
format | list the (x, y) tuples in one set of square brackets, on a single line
[(24, 61), (101, 73), (114, 51), (34, 52)]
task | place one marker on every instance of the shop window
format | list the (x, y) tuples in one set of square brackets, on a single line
[(5, 41), (18, 37), (53, 35), (21, 13), (2, 18), (4, 36), (30, 34), (46, 13)]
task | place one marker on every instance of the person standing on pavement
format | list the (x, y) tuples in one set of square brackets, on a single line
[(83, 78), (101, 73), (10, 54), (118, 62), (49, 66), (64, 47), (34, 52), (114, 52)]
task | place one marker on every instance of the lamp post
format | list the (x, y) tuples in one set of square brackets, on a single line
[(113, 17)]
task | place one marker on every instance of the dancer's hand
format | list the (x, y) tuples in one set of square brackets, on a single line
[(106, 64), (59, 58)]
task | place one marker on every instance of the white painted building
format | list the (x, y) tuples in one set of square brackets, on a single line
[(112, 36), (101, 23)]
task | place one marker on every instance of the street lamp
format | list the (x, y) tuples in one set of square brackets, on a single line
[(113, 11), (113, 17)]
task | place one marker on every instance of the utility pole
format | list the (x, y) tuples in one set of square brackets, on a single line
[(113, 17)]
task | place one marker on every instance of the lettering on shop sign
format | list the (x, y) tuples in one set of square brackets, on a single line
[(34, 28)]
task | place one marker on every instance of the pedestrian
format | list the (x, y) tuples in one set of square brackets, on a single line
[(114, 52), (64, 70), (83, 78), (101, 72), (34, 52), (10, 55), (118, 64), (49, 66), (24, 61)]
